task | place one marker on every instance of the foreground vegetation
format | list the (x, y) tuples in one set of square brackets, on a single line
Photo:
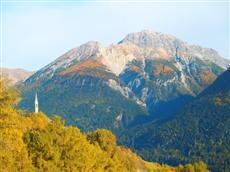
[(32, 142)]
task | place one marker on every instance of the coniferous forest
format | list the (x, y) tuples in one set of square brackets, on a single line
[(33, 142)]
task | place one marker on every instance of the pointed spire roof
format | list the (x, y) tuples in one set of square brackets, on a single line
[(36, 98), (36, 103)]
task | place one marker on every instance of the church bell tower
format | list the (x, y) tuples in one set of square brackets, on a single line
[(36, 103)]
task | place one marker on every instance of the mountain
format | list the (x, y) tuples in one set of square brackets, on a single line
[(16, 75), (32, 142), (146, 76), (199, 130), (221, 84)]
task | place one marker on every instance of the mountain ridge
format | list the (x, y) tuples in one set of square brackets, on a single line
[(122, 84), (16, 75), (131, 48)]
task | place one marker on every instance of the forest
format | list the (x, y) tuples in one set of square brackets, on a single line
[(33, 142)]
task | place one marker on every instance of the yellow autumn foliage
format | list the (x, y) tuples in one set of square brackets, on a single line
[(31, 142)]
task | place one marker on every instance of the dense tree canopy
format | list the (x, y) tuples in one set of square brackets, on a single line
[(32, 142)]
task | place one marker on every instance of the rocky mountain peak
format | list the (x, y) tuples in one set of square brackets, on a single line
[(140, 46), (147, 39), (148, 73), (157, 45)]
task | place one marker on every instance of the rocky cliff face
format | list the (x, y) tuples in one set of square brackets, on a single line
[(156, 45), (154, 73), (135, 46)]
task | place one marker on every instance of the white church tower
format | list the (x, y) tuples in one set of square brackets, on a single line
[(36, 104)]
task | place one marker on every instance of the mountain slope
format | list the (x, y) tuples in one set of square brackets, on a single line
[(146, 76), (221, 84), (32, 142), (159, 45), (86, 102), (16, 75), (200, 130)]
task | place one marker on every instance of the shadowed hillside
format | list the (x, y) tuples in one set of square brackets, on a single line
[(199, 130)]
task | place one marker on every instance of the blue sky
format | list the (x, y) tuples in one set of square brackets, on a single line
[(35, 33)]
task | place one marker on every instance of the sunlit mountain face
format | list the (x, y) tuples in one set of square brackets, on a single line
[(146, 76)]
